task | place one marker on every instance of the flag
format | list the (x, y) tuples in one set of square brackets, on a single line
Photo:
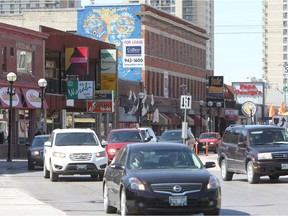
[(271, 111), (282, 109)]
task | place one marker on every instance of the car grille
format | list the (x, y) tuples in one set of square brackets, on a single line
[(172, 188), (280, 156), (81, 156)]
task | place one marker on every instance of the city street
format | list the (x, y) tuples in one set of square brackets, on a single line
[(28, 193)]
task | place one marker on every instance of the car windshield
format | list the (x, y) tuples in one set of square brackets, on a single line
[(39, 141), (171, 135), (76, 139), (125, 136), (163, 159), (268, 136), (207, 136)]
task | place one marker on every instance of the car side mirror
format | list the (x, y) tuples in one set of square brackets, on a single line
[(48, 144), (147, 139), (117, 166), (242, 144), (210, 164), (104, 143)]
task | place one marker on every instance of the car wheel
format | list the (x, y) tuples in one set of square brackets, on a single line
[(31, 166), (123, 206), (53, 176), (252, 177), (45, 171), (225, 174), (274, 177), (107, 207), (215, 211)]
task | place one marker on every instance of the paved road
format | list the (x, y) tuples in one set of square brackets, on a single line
[(13, 201)]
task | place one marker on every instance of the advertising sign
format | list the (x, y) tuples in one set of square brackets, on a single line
[(133, 53), (80, 89), (215, 86), (108, 69), (249, 91), (76, 61), (103, 103)]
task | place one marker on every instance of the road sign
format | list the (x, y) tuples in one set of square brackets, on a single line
[(186, 102), (280, 120)]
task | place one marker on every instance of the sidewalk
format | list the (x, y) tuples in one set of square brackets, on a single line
[(14, 202)]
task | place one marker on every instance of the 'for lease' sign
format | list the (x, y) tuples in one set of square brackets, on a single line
[(133, 53)]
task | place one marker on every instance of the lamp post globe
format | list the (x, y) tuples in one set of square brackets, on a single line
[(42, 83), (11, 77)]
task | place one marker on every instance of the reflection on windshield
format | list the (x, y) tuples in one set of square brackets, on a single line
[(75, 139), (168, 159), (262, 137)]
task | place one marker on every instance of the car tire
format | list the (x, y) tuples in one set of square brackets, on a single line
[(31, 166), (252, 177), (215, 211), (225, 174), (45, 171), (274, 177), (123, 206), (53, 176), (107, 207)]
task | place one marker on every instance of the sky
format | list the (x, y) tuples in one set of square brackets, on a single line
[(237, 38)]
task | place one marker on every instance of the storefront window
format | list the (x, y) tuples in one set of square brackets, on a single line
[(23, 128)]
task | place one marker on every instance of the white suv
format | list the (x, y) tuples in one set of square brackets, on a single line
[(74, 151)]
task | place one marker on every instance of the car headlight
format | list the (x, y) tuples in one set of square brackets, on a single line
[(112, 151), (35, 153), (101, 154), (59, 154), (136, 184), (264, 156), (213, 183)]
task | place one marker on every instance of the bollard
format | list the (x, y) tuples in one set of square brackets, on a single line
[(207, 148), (196, 149)]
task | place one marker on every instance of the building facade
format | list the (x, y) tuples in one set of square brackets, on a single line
[(275, 52), (8, 7), (200, 13), (175, 61)]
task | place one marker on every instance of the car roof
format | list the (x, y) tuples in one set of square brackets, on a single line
[(157, 145), (210, 133), (42, 135), (253, 127), (125, 129), (68, 130)]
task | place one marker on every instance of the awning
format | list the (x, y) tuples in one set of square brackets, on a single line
[(190, 121), (174, 119), (32, 98), (163, 119), (5, 98), (197, 120)]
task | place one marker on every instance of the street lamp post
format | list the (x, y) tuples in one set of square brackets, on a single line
[(218, 104), (209, 104), (201, 103), (42, 83), (11, 78), (141, 95)]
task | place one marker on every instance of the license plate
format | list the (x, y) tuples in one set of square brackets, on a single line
[(81, 166), (178, 200), (284, 166)]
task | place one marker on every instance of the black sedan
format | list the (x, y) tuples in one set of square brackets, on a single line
[(152, 178), (35, 151)]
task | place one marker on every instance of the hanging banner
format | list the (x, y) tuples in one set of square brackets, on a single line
[(76, 61)]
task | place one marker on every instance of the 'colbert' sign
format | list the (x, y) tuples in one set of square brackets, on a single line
[(249, 91)]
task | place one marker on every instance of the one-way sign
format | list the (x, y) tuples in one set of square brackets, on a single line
[(186, 102)]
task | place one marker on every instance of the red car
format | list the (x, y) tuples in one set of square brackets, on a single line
[(213, 139), (117, 138)]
